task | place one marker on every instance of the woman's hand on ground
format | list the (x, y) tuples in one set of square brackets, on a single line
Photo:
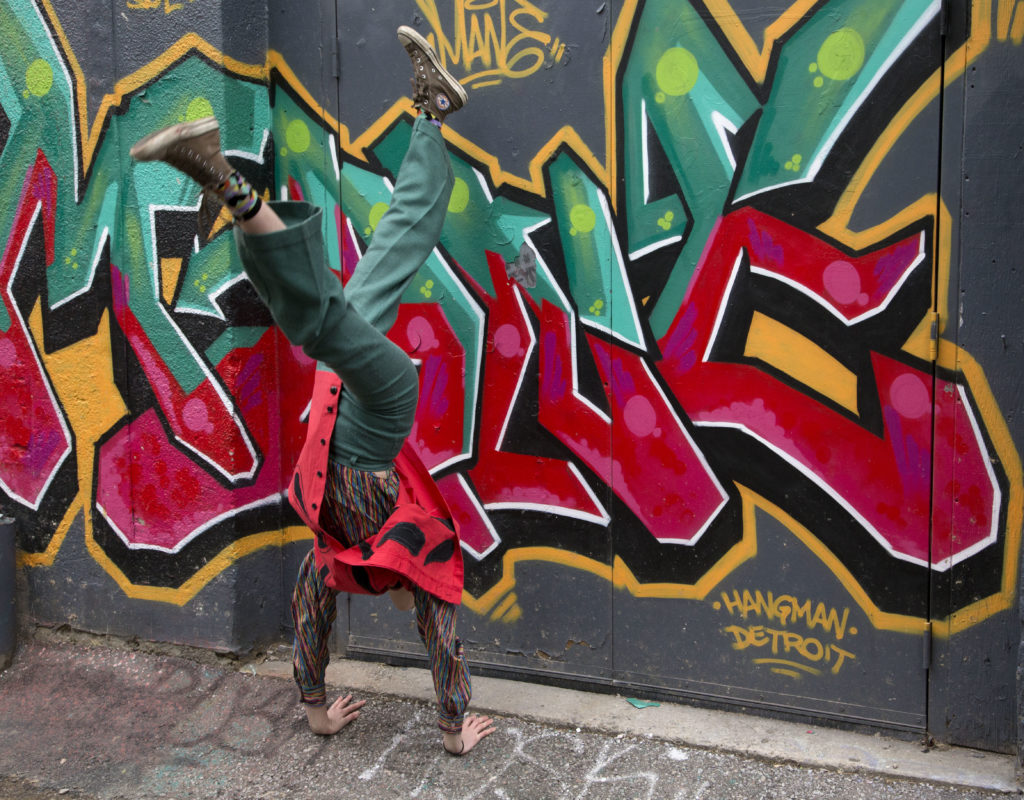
[(474, 728), (329, 720)]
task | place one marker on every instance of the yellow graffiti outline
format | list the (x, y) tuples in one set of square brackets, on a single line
[(128, 84), (755, 59), (617, 573), (180, 595)]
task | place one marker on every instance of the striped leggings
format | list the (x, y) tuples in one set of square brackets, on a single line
[(314, 608)]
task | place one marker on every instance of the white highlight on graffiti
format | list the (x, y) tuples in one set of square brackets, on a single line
[(33, 503), (825, 304), (256, 157), (645, 161), (481, 333), (213, 377), (483, 185), (644, 150), (700, 457), (495, 538), (234, 511), (825, 147), (517, 293), (332, 146), (723, 125), (658, 245), (215, 296), (619, 264), (353, 238), (104, 235), (602, 517), (997, 495), (723, 304)]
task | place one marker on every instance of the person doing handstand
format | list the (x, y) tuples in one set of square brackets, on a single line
[(379, 521)]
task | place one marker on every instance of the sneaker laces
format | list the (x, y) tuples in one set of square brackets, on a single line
[(420, 91)]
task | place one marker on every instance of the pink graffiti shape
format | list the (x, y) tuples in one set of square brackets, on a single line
[(475, 531), (882, 480), (203, 420), (34, 438), (503, 477), (642, 451), (423, 331), (850, 288), (156, 496)]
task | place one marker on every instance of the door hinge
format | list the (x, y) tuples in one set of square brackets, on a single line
[(933, 337), (926, 647), (336, 58)]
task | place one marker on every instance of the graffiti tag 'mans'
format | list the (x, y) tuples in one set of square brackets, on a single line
[(492, 40)]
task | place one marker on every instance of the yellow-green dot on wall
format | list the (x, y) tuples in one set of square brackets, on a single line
[(677, 71), (297, 136), (459, 200), (659, 97), (583, 218), (841, 55), (200, 107), (819, 82), (39, 77), (377, 213)]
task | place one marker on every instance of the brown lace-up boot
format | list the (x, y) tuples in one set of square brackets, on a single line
[(191, 147), (435, 90)]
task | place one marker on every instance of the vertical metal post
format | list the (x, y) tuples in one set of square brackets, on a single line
[(8, 625)]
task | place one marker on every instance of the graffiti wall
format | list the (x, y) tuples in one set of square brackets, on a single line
[(717, 358)]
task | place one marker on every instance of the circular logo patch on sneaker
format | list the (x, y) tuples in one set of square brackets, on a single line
[(442, 102)]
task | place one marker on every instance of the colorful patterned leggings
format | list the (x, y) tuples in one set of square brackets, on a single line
[(314, 608)]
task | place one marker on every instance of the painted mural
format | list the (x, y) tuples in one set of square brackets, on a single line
[(637, 347)]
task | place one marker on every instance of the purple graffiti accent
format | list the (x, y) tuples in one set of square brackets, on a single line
[(157, 497), (851, 289), (423, 331), (506, 479), (34, 437), (347, 243), (642, 452), (881, 480)]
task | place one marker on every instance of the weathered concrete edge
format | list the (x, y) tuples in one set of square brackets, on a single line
[(725, 731)]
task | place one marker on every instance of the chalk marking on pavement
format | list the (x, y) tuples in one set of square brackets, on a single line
[(366, 774)]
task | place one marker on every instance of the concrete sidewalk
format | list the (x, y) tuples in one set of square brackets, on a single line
[(95, 722)]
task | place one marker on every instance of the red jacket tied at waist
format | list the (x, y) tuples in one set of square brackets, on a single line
[(418, 542)]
